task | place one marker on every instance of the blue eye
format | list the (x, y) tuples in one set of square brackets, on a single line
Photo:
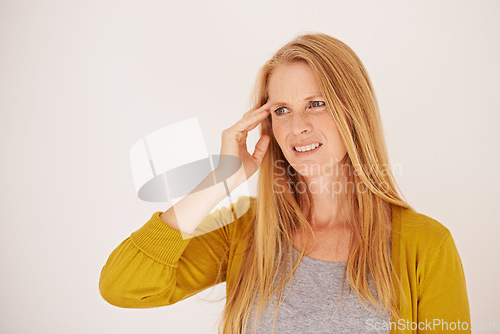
[(277, 111), (313, 103)]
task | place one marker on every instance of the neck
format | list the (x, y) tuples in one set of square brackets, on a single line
[(325, 210)]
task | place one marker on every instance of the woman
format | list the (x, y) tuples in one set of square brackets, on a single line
[(327, 204)]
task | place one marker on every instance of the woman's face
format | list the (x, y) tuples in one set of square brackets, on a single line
[(301, 121)]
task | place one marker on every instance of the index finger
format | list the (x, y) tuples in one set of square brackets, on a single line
[(264, 107), (256, 110)]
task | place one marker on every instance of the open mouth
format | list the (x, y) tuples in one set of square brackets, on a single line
[(304, 150)]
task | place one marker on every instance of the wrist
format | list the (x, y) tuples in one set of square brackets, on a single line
[(232, 179)]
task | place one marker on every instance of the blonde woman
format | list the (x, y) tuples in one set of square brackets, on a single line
[(328, 245)]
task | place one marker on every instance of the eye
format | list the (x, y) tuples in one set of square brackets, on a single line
[(315, 104), (277, 111)]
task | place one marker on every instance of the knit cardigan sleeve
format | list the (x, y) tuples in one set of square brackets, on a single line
[(443, 305), (158, 265)]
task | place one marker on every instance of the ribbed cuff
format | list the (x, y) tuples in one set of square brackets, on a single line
[(161, 241)]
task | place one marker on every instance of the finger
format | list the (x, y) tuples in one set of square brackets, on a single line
[(248, 123), (252, 118), (254, 121), (261, 148), (259, 113), (264, 107)]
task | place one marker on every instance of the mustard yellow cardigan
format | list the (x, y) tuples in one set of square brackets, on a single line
[(156, 266)]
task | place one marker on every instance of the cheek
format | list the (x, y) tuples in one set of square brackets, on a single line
[(336, 139), (278, 134)]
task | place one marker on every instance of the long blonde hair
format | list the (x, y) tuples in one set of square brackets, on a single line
[(350, 98)]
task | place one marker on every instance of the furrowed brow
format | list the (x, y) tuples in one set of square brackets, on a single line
[(306, 99)]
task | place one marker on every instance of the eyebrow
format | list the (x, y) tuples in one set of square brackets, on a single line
[(306, 99)]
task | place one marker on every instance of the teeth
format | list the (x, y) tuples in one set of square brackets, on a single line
[(306, 148)]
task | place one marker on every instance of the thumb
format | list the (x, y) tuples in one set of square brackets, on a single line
[(261, 148)]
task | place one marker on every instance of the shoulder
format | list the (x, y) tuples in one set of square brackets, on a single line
[(245, 208), (425, 255), (419, 239), (417, 229), (243, 211)]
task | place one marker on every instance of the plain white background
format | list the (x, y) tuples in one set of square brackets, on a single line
[(81, 81)]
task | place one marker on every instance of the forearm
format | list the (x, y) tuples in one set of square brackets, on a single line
[(187, 214)]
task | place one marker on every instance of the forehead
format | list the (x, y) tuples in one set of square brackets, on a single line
[(292, 81)]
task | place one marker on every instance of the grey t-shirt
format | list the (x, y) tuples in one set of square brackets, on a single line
[(310, 303)]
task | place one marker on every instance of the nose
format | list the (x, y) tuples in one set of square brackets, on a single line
[(300, 123)]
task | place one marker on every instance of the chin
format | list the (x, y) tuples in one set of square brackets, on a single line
[(307, 169)]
